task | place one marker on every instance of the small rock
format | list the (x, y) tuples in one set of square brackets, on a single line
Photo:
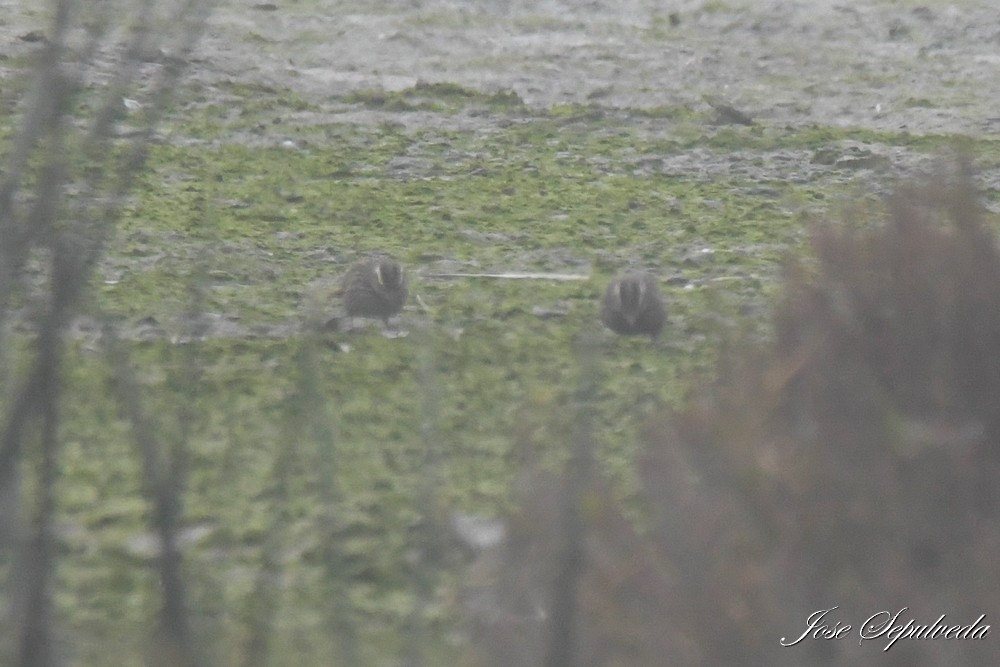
[(33, 36)]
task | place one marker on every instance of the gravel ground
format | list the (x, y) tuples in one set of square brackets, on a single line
[(922, 67)]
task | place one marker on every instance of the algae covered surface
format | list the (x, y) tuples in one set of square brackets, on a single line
[(474, 141)]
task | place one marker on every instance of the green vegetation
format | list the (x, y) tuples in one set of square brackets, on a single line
[(247, 213)]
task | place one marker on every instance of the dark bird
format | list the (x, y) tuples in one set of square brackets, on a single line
[(632, 305), (374, 287)]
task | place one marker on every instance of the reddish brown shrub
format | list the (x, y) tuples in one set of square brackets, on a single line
[(852, 462)]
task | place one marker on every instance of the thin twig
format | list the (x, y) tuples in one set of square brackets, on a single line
[(515, 275), (163, 477)]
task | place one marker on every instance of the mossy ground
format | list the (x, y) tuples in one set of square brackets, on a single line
[(252, 207)]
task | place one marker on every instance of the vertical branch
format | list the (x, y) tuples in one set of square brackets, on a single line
[(74, 249), (562, 641), (431, 534), (35, 645), (265, 598), (324, 439), (40, 391), (163, 477), (94, 227), (44, 103), (36, 641), (43, 126)]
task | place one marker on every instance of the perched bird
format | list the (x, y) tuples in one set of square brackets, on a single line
[(374, 287), (632, 305)]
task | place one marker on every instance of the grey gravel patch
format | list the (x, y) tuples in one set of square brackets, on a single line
[(872, 63), (552, 312)]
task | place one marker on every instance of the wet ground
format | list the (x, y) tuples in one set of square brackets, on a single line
[(925, 67)]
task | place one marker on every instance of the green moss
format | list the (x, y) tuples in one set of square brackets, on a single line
[(717, 7), (437, 96)]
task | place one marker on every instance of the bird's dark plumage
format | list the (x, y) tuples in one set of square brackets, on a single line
[(632, 305), (374, 287)]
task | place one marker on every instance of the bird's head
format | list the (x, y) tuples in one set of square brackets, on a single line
[(388, 274), (630, 294)]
